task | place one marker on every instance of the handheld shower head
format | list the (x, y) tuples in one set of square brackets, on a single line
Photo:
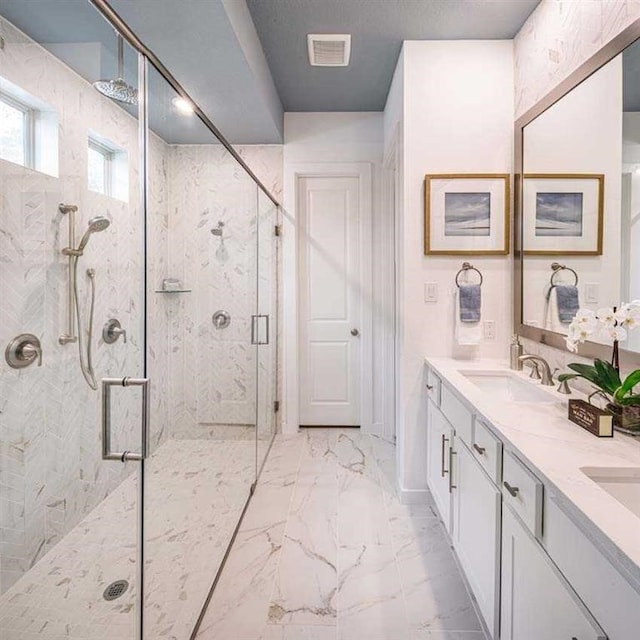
[(97, 224)]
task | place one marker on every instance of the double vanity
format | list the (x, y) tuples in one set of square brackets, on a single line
[(543, 516)]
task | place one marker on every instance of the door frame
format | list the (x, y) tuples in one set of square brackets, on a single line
[(290, 294)]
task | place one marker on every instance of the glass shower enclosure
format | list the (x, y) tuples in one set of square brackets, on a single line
[(139, 281)]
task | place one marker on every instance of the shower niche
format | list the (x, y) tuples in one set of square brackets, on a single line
[(190, 407)]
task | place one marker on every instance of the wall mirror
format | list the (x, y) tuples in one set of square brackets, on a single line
[(578, 198)]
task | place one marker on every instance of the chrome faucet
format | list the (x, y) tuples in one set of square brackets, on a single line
[(542, 366)]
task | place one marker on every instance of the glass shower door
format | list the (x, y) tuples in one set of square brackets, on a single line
[(72, 283), (267, 323), (202, 238)]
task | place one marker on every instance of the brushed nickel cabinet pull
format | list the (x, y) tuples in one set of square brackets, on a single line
[(443, 471), (480, 450), (514, 491), (451, 454)]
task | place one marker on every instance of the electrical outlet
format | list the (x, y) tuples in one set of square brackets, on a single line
[(489, 329), (431, 292), (591, 293)]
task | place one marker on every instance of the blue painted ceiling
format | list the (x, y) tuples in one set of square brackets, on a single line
[(200, 44)]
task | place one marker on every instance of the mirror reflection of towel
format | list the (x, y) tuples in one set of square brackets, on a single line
[(568, 302), (470, 302)]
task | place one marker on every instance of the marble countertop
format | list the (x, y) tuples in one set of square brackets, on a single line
[(556, 449)]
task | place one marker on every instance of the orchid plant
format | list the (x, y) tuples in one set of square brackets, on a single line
[(612, 323)]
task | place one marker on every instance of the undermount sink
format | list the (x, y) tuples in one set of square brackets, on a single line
[(622, 483), (507, 387)]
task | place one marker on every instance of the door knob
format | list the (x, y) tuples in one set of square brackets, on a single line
[(355, 332)]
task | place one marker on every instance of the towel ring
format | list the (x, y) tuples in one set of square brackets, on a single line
[(467, 266), (557, 268)]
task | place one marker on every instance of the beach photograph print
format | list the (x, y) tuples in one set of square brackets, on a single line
[(467, 214), (559, 214)]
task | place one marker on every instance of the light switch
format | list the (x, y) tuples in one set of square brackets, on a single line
[(431, 292), (591, 293), (489, 329)]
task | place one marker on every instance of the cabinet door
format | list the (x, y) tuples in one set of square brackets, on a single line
[(476, 533), (439, 463), (537, 602)]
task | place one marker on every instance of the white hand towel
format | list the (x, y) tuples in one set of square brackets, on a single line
[(467, 333), (551, 317)]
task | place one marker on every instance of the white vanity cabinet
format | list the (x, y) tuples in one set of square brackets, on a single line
[(477, 505), (440, 458), (537, 603)]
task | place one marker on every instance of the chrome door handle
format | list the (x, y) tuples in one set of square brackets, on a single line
[(355, 332), (123, 456), (514, 491), (480, 450)]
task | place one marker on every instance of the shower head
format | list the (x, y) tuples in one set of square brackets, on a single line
[(118, 89), (97, 224)]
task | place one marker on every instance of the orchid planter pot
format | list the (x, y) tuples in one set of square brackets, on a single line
[(626, 418)]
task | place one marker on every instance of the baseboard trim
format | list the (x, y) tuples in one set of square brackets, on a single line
[(414, 496)]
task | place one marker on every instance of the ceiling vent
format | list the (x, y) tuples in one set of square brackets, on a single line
[(329, 50)]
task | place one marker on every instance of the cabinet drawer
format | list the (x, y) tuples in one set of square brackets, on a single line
[(434, 386), (523, 492), (487, 449), (458, 415)]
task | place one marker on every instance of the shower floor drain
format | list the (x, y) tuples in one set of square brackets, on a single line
[(115, 589)]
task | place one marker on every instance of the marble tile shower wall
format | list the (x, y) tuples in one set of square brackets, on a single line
[(208, 186), (558, 37), (51, 472)]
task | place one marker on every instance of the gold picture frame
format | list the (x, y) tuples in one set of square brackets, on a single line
[(562, 208), (467, 214)]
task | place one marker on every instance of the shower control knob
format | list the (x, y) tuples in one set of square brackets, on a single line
[(112, 330), (355, 332), (23, 351)]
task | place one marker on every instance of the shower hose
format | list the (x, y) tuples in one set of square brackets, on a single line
[(86, 364)]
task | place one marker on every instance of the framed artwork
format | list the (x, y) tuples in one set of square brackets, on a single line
[(562, 214), (466, 214)]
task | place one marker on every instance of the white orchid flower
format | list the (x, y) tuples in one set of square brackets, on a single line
[(572, 345), (628, 316), (616, 333), (606, 316)]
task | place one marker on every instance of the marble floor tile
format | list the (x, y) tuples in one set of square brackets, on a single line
[(332, 554), (370, 600), (448, 635)]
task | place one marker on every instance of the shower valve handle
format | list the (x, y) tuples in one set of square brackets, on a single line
[(112, 330)]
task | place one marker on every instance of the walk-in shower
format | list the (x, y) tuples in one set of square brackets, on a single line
[(85, 342), (191, 403)]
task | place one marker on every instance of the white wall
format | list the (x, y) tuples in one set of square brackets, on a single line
[(327, 138), (458, 118), (558, 37), (564, 140)]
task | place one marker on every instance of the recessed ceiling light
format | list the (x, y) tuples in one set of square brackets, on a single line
[(329, 49), (183, 105)]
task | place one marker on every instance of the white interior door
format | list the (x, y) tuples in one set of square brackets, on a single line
[(330, 305)]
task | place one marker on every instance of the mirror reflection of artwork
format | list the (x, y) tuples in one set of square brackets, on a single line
[(559, 214), (563, 214), (467, 214)]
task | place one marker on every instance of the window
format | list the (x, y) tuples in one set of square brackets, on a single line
[(107, 168), (16, 131), (100, 163), (28, 130)]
